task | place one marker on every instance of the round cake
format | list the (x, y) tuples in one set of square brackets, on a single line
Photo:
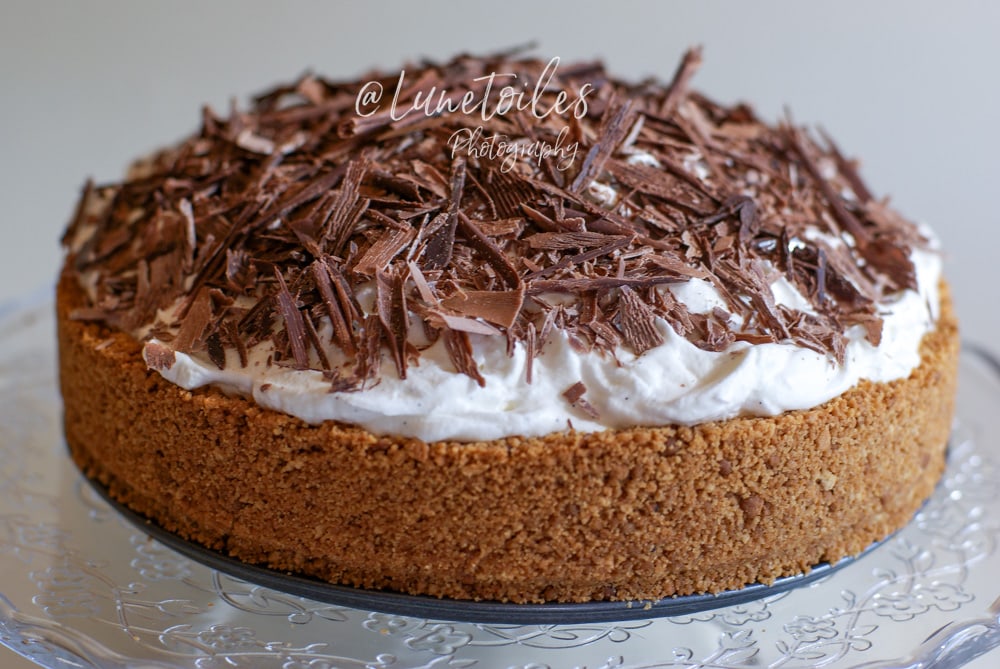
[(506, 329)]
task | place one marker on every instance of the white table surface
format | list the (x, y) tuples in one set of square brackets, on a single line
[(909, 86)]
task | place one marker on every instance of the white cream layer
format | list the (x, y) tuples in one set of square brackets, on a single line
[(674, 383)]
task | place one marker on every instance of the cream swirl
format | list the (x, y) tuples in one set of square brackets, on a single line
[(676, 382)]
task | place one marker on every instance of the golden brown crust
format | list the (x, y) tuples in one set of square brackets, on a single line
[(624, 514)]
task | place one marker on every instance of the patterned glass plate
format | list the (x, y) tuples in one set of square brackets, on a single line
[(80, 586)]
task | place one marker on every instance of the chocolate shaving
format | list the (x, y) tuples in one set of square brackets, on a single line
[(274, 224), (497, 259), (380, 254), (369, 356), (566, 262), (158, 356), (575, 396), (660, 184), (560, 241), (529, 337), (232, 339), (444, 320), (79, 213), (596, 283), (614, 127), (837, 208), (439, 247), (294, 326), (460, 351), (497, 307), (315, 342), (390, 301), (241, 275), (677, 89), (637, 322), (347, 209), (717, 335), (848, 170), (498, 228), (340, 317), (194, 323), (430, 178)]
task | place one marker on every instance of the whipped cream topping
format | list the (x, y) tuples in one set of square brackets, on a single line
[(306, 256), (676, 382)]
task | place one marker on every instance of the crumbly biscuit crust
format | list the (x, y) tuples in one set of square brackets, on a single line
[(640, 513)]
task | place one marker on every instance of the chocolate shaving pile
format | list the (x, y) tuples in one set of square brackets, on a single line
[(271, 223)]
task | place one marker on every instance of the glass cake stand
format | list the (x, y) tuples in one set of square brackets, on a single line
[(82, 586)]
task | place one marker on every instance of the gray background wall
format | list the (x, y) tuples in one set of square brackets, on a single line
[(907, 86)]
